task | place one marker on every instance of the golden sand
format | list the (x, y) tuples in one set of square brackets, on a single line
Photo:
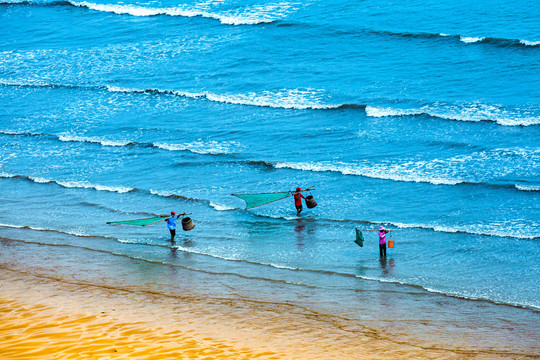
[(44, 318)]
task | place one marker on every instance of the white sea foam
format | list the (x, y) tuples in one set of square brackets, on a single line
[(41, 180), (210, 147), (473, 112), (527, 187), (78, 184), (529, 43), (7, 175), (104, 142), (376, 111), (161, 193), (11, 132), (220, 207), (517, 231), (398, 172), (284, 99), (35, 228), (516, 162), (470, 40), (87, 185), (256, 14)]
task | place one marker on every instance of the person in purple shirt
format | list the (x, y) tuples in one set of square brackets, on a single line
[(171, 224), (382, 240)]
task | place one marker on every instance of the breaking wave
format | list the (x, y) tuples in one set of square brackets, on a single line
[(451, 171), (202, 147), (249, 15), (72, 233), (314, 99), (284, 99), (467, 39), (98, 187), (472, 112), (470, 40), (527, 188)]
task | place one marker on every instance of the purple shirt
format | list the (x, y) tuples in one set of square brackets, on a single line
[(382, 237)]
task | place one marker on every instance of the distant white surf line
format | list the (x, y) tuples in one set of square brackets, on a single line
[(467, 112), (473, 229), (71, 233), (203, 147), (251, 15), (70, 184), (98, 187), (407, 172), (376, 172), (200, 146)]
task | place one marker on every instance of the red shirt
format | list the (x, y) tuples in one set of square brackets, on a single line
[(298, 198)]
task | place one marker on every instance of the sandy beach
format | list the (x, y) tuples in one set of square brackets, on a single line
[(47, 318)]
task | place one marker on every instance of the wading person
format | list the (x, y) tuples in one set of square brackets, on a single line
[(171, 224), (298, 201), (382, 240)]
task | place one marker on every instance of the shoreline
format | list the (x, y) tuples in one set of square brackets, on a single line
[(46, 316)]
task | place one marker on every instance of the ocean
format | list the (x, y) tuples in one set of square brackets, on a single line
[(424, 118)]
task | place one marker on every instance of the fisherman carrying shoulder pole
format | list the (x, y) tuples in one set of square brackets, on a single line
[(171, 224), (298, 200)]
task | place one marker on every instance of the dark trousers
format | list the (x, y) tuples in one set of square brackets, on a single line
[(382, 249)]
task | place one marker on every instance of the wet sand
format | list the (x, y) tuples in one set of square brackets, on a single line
[(44, 318)]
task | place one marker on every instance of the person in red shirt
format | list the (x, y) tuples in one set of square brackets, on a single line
[(298, 200)]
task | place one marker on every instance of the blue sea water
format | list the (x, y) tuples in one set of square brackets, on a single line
[(425, 119)]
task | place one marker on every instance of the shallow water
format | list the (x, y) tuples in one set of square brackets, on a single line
[(423, 119)]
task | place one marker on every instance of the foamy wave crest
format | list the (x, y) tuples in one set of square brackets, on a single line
[(68, 138), (470, 39), (220, 207), (201, 147), (257, 14), (205, 147), (473, 112), (285, 99), (24, 133), (529, 43), (527, 187), (516, 162), (87, 185), (402, 172), (72, 233), (7, 175), (499, 229), (70, 184), (375, 111)]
